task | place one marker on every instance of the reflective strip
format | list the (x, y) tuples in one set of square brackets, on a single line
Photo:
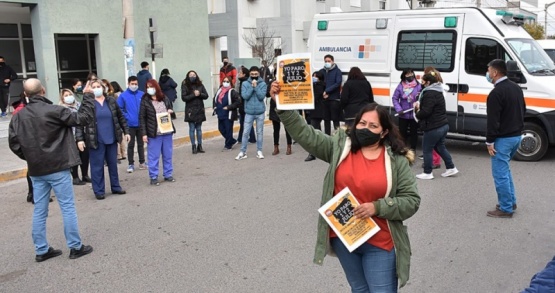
[(380, 92), (530, 102)]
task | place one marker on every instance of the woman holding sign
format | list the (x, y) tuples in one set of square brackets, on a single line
[(372, 161), (156, 125)]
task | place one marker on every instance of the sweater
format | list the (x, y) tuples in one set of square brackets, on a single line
[(400, 202), (505, 110)]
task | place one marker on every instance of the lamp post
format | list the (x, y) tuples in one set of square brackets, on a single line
[(545, 11)]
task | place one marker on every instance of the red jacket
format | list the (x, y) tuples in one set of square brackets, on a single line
[(18, 108), (228, 71)]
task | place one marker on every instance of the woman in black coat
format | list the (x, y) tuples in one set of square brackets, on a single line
[(168, 86), (356, 93), (101, 136), (193, 94)]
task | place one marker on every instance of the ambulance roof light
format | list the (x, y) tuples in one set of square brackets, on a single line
[(322, 25), (450, 21), (512, 18), (381, 23)]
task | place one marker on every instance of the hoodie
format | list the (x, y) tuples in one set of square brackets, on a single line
[(143, 76), (432, 113), (130, 102)]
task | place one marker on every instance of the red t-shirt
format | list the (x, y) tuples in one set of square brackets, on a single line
[(368, 182)]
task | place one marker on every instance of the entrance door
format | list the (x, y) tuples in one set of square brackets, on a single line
[(76, 57)]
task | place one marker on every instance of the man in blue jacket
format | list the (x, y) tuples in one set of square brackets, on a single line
[(130, 102), (253, 92), (332, 97), (143, 76)]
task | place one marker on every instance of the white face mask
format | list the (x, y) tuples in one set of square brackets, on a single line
[(98, 92), (327, 65), (133, 88), (226, 84), (151, 91), (69, 99)]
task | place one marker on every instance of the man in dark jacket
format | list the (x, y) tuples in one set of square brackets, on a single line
[(130, 102), (41, 134), (143, 76), (505, 110), (332, 79), (7, 74)]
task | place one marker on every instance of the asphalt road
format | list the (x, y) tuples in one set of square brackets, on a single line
[(250, 226)]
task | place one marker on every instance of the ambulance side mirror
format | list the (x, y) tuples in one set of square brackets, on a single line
[(514, 73)]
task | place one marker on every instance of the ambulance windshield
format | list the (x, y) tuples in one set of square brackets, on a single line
[(532, 56)]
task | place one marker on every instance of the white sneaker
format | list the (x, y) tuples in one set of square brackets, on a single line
[(425, 176), (259, 155), (450, 172), (241, 156)]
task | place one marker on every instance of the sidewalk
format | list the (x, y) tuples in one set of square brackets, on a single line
[(12, 167)]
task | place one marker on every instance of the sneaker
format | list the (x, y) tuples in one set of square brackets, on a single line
[(169, 179), (154, 182), (77, 253), (142, 166), (259, 155), (450, 172), (77, 181), (425, 176), (499, 214), (130, 169), (241, 156), (421, 157), (48, 255), (3, 114), (226, 149)]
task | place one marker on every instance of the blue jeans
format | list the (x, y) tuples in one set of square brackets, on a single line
[(367, 268), (225, 126), (434, 139), (195, 127), (505, 149), (249, 121), (161, 144), (62, 184), (104, 153)]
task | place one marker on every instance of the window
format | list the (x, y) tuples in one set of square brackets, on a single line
[(420, 49), (532, 56), (382, 5), (479, 52)]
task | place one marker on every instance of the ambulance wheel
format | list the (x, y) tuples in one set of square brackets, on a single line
[(533, 145)]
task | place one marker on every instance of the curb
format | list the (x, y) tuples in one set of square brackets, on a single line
[(6, 176)]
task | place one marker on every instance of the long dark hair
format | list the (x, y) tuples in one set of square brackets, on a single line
[(405, 72), (393, 137), (188, 82), (355, 74)]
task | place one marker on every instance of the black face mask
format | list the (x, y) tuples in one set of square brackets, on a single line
[(366, 137), (192, 78), (225, 63), (2, 63), (254, 77), (409, 79)]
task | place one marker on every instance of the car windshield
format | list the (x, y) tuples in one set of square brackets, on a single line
[(551, 53), (532, 56)]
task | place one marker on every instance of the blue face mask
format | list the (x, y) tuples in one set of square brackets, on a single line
[(490, 80), (314, 79)]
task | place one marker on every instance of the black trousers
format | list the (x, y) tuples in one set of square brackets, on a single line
[(84, 155), (409, 131), (134, 133), (277, 128), (332, 111), (4, 98)]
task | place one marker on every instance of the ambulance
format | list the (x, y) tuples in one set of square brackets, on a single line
[(459, 42)]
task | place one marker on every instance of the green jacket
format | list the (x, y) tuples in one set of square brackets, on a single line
[(400, 202)]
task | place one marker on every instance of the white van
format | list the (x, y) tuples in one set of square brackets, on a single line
[(549, 47), (459, 42)]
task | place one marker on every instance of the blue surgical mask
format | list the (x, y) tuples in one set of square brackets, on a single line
[(69, 99), (327, 65), (314, 79), (151, 91), (490, 80), (133, 88), (79, 88), (98, 92)]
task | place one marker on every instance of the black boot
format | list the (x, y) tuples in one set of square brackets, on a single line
[(194, 149), (310, 158), (199, 149)]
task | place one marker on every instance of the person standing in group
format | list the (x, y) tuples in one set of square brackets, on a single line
[(276, 123), (332, 106), (253, 93), (143, 76), (168, 86), (108, 88), (122, 146), (193, 93), (129, 102), (225, 104), (155, 102), (431, 113), (117, 89), (243, 76), (7, 75), (39, 133), (101, 135), (372, 161), (404, 97), (265, 73), (67, 99), (356, 93), (505, 122), (316, 115), (228, 70), (77, 87)]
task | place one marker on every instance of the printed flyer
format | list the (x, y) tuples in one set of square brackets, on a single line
[(164, 122), (339, 213), (295, 79)]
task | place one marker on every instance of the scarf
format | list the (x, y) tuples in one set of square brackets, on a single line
[(223, 91), (408, 88)]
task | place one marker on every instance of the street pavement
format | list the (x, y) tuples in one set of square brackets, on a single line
[(250, 226)]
